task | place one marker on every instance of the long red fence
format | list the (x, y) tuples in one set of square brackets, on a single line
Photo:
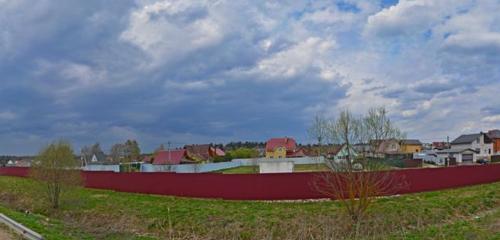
[(267, 186)]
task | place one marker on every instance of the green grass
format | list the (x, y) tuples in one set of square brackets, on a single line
[(100, 214), (255, 169)]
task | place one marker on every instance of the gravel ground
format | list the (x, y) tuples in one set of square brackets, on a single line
[(5, 234)]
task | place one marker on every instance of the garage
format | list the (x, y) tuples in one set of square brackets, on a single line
[(467, 158)]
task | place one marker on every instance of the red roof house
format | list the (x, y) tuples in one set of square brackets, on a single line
[(288, 143), (203, 152), (170, 157), (282, 147)]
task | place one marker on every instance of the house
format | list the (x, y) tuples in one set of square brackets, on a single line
[(480, 144), (388, 146), (176, 156), (282, 148), (395, 146), (410, 146), (203, 152), (440, 145), (454, 156), (340, 153), (494, 135)]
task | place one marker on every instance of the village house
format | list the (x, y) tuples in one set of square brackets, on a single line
[(283, 148), (169, 157), (395, 146), (410, 146), (340, 153), (203, 152), (494, 135), (470, 148)]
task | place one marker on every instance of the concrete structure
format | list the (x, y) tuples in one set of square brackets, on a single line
[(276, 166), (101, 167)]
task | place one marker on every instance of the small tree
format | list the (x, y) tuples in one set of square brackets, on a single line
[(355, 181), (57, 168)]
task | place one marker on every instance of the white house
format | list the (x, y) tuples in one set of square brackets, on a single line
[(461, 156), (471, 147)]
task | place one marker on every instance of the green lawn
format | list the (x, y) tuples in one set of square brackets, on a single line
[(99, 214), (255, 169)]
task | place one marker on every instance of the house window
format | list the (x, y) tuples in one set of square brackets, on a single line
[(489, 151)]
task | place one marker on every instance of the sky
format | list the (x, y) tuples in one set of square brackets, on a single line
[(201, 71)]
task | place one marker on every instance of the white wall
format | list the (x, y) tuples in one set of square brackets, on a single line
[(95, 167), (206, 167), (277, 166)]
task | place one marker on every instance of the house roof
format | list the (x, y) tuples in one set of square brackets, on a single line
[(288, 143), (169, 156), (494, 134), (456, 150), (219, 152), (335, 149), (411, 142), (200, 152), (466, 138)]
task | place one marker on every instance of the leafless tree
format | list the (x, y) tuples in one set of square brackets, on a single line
[(57, 169), (356, 180), (379, 127), (319, 132), (118, 153)]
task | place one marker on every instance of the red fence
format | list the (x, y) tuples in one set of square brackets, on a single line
[(267, 186)]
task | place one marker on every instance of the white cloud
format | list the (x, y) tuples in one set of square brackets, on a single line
[(168, 30), (492, 119), (295, 60), (7, 115), (66, 79)]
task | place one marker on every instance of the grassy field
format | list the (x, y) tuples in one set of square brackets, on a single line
[(465, 213), (255, 169)]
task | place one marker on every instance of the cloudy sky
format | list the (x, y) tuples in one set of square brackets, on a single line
[(214, 71)]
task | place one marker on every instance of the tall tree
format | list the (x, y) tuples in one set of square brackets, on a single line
[(57, 168), (319, 130), (133, 151), (118, 153)]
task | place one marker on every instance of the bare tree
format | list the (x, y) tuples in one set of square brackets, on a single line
[(356, 181), (57, 168), (379, 127), (346, 130), (319, 132), (118, 153)]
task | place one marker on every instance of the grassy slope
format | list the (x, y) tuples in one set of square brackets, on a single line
[(99, 214)]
